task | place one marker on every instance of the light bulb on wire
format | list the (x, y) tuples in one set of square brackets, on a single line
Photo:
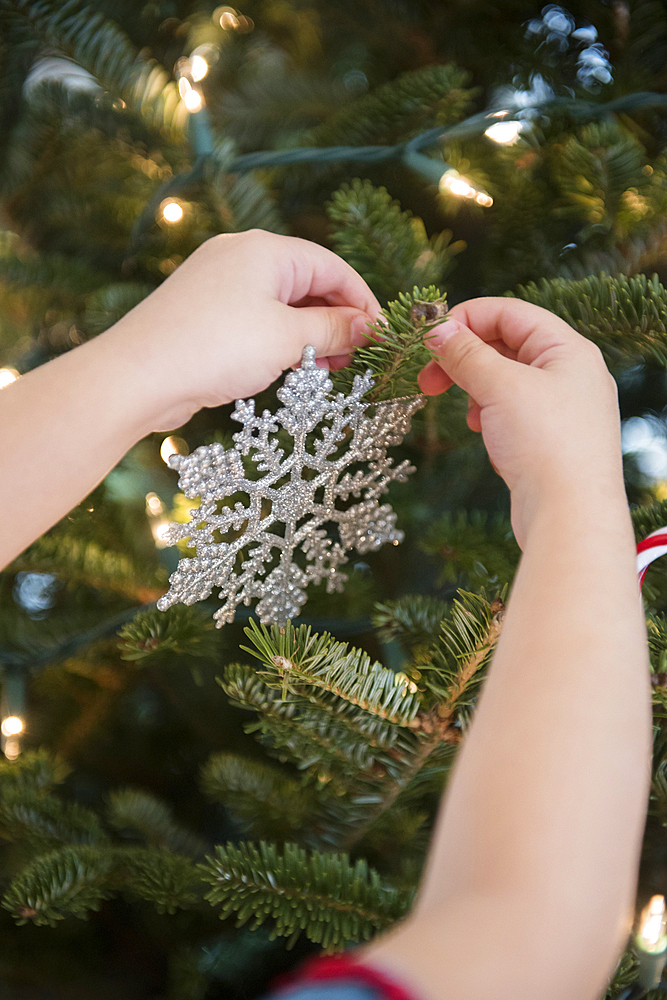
[(12, 725), (193, 100), (171, 210), (198, 67), (651, 943), (504, 133), (653, 926), (452, 182)]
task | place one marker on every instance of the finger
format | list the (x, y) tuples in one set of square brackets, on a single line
[(308, 269), (332, 330), (470, 362), (433, 380), (474, 419), (529, 330), (339, 361)]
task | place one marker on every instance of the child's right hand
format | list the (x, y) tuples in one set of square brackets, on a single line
[(540, 394)]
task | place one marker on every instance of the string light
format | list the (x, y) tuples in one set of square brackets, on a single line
[(199, 67), (154, 505), (159, 525), (173, 446), (160, 530), (651, 943), (193, 101), (7, 376), (11, 726), (504, 133), (171, 210), (12, 712), (453, 182)]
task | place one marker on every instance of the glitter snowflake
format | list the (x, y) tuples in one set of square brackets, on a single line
[(281, 536)]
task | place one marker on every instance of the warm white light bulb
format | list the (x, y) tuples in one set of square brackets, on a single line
[(199, 67), (192, 100), (504, 133), (11, 725), (154, 505), (172, 211), (184, 86), (228, 19), (652, 925), (173, 446), (460, 187), (160, 531), (7, 376)]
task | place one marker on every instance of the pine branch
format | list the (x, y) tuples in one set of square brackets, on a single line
[(295, 659), (83, 561), (468, 637), (34, 771), (399, 110), (168, 881), (44, 822), (184, 630), (102, 47), (133, 809), (67, 882), (310, 708), (73, 881), (397, 350), (387, 246), (625, 317), (471, 543), (269, 804), (414, 620), (333, 902), (461, 637)]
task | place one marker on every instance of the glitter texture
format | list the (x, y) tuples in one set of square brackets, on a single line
[(281, 536)]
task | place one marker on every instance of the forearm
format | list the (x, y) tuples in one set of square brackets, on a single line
[(64, 426), (555, 769), (538, 837)]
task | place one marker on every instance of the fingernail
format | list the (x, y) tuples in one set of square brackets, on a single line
[(359, 331), (440, 334)]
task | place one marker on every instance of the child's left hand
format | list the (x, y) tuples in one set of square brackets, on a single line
[(236, 314)]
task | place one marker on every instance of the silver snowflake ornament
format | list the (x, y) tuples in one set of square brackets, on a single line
[(281, 534)]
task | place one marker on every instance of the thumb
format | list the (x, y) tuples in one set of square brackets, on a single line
[(468, 360), (332, 330)]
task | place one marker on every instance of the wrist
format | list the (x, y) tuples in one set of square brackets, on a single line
[(585, 501), (144, 380)]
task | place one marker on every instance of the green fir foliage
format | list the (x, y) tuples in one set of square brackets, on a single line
[(398, 345), (330, 900), (182, 630), (388, 247), (625, 317), (473, 549)]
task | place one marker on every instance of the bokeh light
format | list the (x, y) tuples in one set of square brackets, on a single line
[(11, 726), (172, 211)]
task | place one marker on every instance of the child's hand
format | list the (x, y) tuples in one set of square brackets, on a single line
[(236, 314), (540, 394)]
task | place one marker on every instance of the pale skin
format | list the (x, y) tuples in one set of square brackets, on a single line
[(529, 885)]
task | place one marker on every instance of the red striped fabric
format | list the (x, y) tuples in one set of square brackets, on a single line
[(330, 968)]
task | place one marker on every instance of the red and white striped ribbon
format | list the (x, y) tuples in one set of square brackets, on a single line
[(650, 548)]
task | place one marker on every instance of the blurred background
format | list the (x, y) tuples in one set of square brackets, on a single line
[(127, 134)]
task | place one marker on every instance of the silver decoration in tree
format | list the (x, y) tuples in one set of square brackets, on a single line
[(283, 515)]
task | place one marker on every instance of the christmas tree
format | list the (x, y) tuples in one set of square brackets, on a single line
[(215, 804)]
